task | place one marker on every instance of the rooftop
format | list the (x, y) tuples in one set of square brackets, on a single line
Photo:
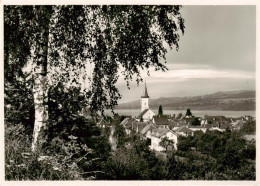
[(141, 114), (161, 120)]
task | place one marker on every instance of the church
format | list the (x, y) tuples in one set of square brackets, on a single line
[(146, 114)]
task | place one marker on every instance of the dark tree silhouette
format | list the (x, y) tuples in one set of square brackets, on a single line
[(195, 121), (160, 111), (188, 112)]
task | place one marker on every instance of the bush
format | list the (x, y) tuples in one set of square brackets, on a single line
[(20, 164), (74, 149)]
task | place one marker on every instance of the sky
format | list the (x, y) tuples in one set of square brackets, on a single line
[(217, 53)]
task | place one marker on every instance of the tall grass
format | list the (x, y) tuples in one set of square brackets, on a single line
[(21, 164)]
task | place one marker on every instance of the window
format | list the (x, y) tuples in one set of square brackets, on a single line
[(148, 141)]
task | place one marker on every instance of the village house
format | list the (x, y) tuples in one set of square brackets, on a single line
[(238, 124), (249, 118), (184, 131), (181, 123), (250, 138), (216, 120), (161, 121), (147, 130), (127, 124), (137, 127), (172, 124), (157, 135), (197, 128), (188, 119)]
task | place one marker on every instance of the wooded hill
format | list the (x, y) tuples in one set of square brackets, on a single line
[(230, 100)]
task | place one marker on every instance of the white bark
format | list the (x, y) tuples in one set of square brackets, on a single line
[(112, 140), (40, 93), (40, 105)]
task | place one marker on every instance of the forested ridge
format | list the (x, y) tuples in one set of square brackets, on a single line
[(231, 100)]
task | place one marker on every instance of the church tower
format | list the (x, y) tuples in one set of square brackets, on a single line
[(144, 100)]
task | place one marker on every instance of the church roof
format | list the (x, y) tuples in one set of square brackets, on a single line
[(145, 95), (142, 113)]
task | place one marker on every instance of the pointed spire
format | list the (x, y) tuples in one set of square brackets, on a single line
[(145, 95)]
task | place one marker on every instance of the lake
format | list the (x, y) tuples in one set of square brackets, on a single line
[(200, 113)]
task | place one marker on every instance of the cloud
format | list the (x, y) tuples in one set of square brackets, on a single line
[(201, 74), (186, 72)]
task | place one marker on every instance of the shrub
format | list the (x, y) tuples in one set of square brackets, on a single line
[(20, 164)]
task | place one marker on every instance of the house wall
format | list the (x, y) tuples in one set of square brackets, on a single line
[(128, 131), (155, 144), (197, 129), (148, 134), (182, 133), (216, 128), (163, 126), (173, 137)]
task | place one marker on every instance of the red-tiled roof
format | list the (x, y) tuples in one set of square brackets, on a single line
[(192, 126), (139, 126), (161, 131), (160, 120), (147, 127), (172, 123)]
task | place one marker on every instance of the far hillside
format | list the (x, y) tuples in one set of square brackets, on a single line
[(230, 100)]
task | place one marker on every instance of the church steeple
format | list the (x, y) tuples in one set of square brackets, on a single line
[(145, 99), (145, 95)]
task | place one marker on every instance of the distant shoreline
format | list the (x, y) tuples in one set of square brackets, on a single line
[(221, 101), (167, 108), (198, 113)]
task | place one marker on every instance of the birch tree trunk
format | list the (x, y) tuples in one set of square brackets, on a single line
[(41, 108), (40, 87)]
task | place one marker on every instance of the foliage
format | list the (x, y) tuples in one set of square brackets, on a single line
[(227, 155), (65, 107), (179, 116), (84, 35), (65, 158), (248, 128), (120, 135), (75, 148), (126, 165), (188, 112), (18, 102), (135, 163), (160, 111), (20, 165), (166, 143), (195, 121), (185, 143)]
